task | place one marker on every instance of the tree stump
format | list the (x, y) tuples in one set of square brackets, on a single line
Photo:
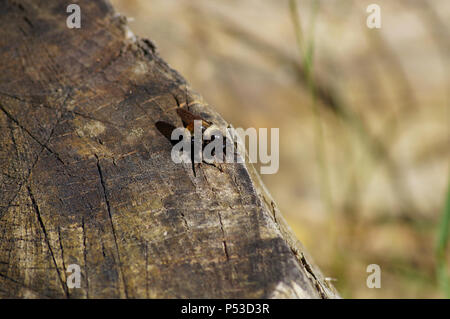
[(87, 179)]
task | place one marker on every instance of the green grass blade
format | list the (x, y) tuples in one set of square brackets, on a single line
[(441, 248)]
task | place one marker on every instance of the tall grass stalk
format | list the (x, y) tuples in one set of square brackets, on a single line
[(306, 47), (442, 246)]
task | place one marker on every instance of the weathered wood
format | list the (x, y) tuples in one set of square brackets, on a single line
[(87, 179)]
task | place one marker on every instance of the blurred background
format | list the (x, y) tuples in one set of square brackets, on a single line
[(363, 117)]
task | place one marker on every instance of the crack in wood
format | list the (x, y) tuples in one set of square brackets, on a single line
[(102, 181), (25, 180), (62, 256), (314, 279), (47, 240), (224, 242), (44, 145)]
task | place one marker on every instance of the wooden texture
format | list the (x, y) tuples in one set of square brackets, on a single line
[(87, 179)]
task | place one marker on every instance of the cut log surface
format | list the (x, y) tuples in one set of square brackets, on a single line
[(87, 179)]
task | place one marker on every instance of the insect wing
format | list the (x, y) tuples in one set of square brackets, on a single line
[(187, 117), (188, 120)]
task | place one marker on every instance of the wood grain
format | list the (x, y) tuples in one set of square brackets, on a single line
[(86, 178)]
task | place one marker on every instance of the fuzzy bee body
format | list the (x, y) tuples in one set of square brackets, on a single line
[(209, 131)]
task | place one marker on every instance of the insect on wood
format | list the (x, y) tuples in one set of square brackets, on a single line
[(188, 119)]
